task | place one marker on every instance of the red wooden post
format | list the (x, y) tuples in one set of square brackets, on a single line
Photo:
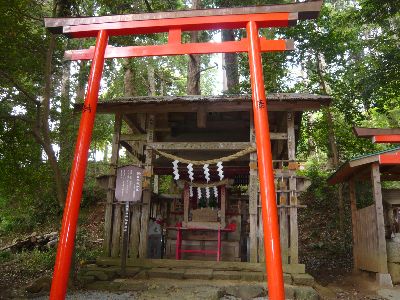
[(68, 229), (265, 168)]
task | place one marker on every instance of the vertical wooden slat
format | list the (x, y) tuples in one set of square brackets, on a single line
[(353, 205), (116, 232), (377, 193), (253, 197), (108, 218), (146, 190), (135, 232)]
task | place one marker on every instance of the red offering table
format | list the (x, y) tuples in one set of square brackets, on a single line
[(180, 229)]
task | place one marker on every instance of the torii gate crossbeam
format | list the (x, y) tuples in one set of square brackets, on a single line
[(251, 18)]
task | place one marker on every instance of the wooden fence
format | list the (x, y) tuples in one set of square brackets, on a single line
[(366, 248)]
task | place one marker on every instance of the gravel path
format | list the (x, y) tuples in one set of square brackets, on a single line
[(95, 295)]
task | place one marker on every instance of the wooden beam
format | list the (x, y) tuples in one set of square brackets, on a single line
[(108, 217), (147, 189), (200, 146), (291, 136), (133, 137), (133, 124), (157, 108), (377, 194), (253, 197), (202, 117)]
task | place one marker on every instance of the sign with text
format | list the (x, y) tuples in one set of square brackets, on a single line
[(128, 187)]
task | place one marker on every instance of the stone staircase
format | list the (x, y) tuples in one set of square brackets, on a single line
[(184, 279)]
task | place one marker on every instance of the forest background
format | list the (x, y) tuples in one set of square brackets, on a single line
[(350, 53)]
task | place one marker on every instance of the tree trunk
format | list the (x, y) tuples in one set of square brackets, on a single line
[(151, 78), (44, 122), (129, 88), (193, 77), (82, 79), (331, 135), (231, 75), (65, 153)]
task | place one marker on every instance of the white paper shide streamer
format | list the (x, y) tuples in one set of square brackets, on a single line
[(207, 192), (175, 168), (206, 172), (199, 193), (215, 192), (220, 170), (190, 171), (190, 191)]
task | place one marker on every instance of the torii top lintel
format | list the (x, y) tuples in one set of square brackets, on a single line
[(189, 20)]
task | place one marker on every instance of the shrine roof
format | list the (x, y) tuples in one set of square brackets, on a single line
[(223, 103), (357, 165)]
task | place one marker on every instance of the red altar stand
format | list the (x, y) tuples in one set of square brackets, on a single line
[(178, 246)]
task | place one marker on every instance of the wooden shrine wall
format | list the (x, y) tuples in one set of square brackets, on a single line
[(286, 186)]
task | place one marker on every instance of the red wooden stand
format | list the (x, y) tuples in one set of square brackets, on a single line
[(179, 238)]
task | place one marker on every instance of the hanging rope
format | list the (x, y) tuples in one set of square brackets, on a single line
[(210, 161), (205, 185)]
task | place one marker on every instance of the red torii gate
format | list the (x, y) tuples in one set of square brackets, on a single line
[(251, 18)]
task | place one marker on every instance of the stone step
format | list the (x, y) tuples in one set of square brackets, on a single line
[(158, 290), (108, 273)]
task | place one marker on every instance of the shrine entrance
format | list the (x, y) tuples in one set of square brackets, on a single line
[(251, 18)]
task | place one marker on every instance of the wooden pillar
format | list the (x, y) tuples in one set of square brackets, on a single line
[(261, 253), (155, 184), (377, 194), (108, 218), (134, 239), (186, 198), (253, 197), (146, 189), (353, 205), (223, 205), (293, 223)]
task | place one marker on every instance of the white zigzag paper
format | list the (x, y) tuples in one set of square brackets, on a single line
[(220, 170), (216, 192), (175, 168), (190, 171), (206, 172), (190, 191), (207, 192)]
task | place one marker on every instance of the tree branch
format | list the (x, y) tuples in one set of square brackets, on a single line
[(19, 87)]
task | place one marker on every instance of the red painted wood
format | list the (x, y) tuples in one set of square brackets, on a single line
[(185, 24), (174, 48), (65, 247), (390, 158), (391, 138), (265, 169)]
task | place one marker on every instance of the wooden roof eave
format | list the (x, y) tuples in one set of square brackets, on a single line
[(276, 102), (353, 167)]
